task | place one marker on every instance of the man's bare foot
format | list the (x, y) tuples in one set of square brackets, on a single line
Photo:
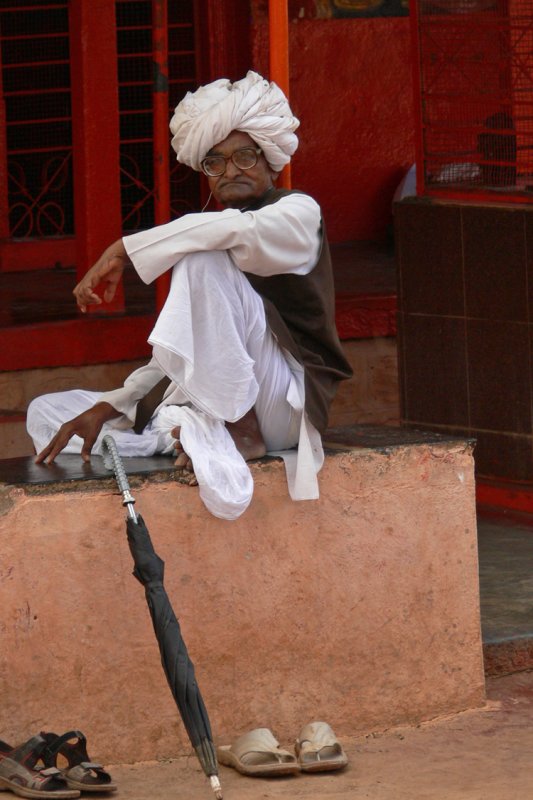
[(183, 461), (245, 433), (247, 436)]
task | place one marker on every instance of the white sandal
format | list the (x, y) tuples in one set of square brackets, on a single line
[(258, 753), (318, 749)]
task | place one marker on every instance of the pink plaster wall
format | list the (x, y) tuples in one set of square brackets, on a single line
[(351, 87), (361, 608)]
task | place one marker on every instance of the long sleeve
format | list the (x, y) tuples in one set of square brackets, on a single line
[(283, 237), (136, 386)]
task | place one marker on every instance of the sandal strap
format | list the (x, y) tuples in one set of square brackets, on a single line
[(29, 752), (88, 772), (42, 779), (260, 740), (315, 736), (49, 771), (80, 767), (55, 743)]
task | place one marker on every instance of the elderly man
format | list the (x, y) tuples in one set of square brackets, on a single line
[(246, 357)]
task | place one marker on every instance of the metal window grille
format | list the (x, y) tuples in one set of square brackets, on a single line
[(35, 83), (475, 76), (136, 80), (37, 133)]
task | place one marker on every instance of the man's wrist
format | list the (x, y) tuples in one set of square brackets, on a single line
[(105, 411)]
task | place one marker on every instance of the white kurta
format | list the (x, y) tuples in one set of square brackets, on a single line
[(278, 238), (283, 237)]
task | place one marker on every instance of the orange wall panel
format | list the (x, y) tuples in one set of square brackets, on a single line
[(351, 87)]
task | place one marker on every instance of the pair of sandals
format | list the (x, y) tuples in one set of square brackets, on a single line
[(258, 753), (31, 769)]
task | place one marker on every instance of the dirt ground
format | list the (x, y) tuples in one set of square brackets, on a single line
[(486, 754)]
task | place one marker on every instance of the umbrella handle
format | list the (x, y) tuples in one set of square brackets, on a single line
[(113, 461)]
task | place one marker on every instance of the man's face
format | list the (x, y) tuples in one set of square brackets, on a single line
[(238, 188)]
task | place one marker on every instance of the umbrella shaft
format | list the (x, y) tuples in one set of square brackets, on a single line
[(131, 511)]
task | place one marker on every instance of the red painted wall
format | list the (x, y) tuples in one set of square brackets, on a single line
[(351, 89)]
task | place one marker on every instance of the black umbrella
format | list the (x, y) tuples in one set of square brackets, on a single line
[(179, 669)]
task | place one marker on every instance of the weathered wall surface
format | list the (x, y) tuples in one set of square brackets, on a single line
[(351, 88), (361, 608), (371, 396)]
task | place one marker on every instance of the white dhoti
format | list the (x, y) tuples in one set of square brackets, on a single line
[(213, 342)]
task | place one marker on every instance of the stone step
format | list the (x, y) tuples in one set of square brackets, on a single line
[(506, 589), (361, 608)]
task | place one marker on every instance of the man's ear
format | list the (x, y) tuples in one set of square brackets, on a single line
[(274, 175)]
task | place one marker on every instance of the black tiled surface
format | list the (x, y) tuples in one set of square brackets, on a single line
[(435, 370), (363, 268), (498, 373), (528, 226), (400, 347), (71, 468), (452, 431), (67, 468), (429, 259), (494, 263), (492, 334), (383, 437), (504, 456)]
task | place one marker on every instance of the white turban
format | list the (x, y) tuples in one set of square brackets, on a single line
[(252, 105)]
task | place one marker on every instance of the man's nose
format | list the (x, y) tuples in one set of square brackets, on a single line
[(231, 169)]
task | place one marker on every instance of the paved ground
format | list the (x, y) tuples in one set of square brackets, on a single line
[(476, 755), (506, 575)]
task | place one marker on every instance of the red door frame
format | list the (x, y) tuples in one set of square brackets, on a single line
[(224, 43), (95, 133)]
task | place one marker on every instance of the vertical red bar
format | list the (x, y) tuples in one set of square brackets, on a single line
[(4, 212), (278, 19), (161, 132), (95, 132), (417, 91)]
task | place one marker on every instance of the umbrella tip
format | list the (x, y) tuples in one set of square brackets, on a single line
[(216, 787)]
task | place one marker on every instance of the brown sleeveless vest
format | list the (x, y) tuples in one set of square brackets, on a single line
[(300, 310)]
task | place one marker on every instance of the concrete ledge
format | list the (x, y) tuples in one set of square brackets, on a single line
[(361, 608)]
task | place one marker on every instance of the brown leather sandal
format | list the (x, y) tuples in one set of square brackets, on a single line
[(80, 773), (20, 773)]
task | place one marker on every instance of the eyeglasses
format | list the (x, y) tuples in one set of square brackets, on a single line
[(244, 158)]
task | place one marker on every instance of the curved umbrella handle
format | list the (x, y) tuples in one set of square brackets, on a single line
[(113, 461)]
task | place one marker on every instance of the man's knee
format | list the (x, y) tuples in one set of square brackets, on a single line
[(209, 267), (37, 407), (58, 407)]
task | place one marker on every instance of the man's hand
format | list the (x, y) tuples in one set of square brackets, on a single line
[(108, 271), (87, 425)]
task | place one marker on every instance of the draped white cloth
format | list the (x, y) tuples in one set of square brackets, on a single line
[(283, 237), (212, 340), (223, 357), (224, 479), (252, 105)]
